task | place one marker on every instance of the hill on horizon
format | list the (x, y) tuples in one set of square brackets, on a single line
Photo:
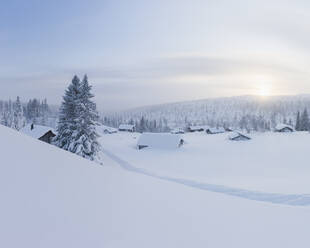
[(229, 111)]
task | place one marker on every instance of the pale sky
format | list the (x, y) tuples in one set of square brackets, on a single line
[(141, 52)]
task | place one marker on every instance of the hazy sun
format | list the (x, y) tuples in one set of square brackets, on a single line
[(263, 85), (264, 90)]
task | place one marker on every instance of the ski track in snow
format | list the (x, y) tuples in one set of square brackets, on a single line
[(284, 199)]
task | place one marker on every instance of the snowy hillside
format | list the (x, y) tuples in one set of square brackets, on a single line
[(231, 111), (52, 198)]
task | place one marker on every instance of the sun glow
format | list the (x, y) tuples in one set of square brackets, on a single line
[(263, 85), (264, 90)]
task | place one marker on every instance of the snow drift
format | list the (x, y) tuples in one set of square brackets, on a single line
[(52, 198), (160, 140)]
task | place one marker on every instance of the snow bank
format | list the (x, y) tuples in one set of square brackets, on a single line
[(160, 140), (52, 198), (271, 162)]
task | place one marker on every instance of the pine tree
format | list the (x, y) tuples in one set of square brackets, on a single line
[(142, 127), (18, 118), (44, 111), (7, 118), (87, 145), (68, 116), (77, 121), (304, 121), (297, 126)]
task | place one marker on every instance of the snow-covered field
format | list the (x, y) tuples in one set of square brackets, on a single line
[(270, 162), (52, 198)]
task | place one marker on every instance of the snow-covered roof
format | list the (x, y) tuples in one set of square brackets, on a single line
[(282, 126), (216, 130), (195, 128), (160, 140), (235, 135), (177, 130), (37, 132), (126, 126), (104, 129)]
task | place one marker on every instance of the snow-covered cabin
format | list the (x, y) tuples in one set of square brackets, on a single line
[(214, 130), (237, 136), (177, 131), (284, 128), (39, 132), (160, 140), (106, 130), (126, 127), (229, 129), (196, 129)]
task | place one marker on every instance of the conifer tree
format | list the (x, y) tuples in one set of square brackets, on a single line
[(18, 118), (77, 121), (304, 126), (87, 145), (297, 126), (142, 127), (7, 115), (68, 116)]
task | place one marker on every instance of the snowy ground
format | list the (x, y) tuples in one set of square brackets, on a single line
[(51, 198), (270, 162)]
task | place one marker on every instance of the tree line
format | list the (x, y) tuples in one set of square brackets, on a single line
[(247, 122), (16, 114), (141, 125)]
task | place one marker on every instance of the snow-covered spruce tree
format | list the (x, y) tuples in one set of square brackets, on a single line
[(77, 120), (297, 126), (18, 118), (304, 123), (68, 116), (7, 115), (44, 112), (87, 145)]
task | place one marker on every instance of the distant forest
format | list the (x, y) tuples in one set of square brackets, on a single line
[(16, 114), (246, 113), (243, 113)]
